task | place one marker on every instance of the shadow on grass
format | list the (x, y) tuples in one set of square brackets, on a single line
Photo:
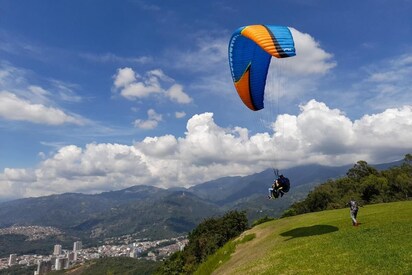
[(309, 231)]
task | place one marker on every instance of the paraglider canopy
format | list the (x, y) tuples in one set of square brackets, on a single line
[(250, 51)]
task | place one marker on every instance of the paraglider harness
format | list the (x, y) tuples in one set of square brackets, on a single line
[(282, 186)]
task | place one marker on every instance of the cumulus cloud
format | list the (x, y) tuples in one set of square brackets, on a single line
[(133, 86), (328, 136), (124, 77), (152, 121), (310, 58), (97, 167), (318, 134), (176, 93)]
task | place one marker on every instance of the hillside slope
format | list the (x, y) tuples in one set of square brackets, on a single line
[(327, 243)]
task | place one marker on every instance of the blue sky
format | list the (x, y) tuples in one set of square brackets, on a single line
[(102, 95)]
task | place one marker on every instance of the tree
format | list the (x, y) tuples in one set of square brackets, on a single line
[(204, 240), (408, 159), (407, 164), (404, 185), (362, 183), (374, 189), (319, 200), (360, 170)]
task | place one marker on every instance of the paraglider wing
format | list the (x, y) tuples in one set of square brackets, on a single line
[(250, 51)]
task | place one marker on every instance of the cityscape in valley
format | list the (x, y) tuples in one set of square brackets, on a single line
[(60, 258)]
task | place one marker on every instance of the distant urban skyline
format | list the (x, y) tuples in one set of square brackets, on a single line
[(61, 258)]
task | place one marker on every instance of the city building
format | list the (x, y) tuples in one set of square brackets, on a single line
[(61, 263), (12, 259), (63, 259), (135, 253), (77, 246), (43, 267), (70, 255), (57, 249)]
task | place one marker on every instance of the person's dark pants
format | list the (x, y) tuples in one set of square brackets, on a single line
[(353, 214)]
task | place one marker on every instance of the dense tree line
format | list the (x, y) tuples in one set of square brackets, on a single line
[(362, 183), (204, 240)]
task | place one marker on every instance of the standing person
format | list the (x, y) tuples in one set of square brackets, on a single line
[(353, 211)]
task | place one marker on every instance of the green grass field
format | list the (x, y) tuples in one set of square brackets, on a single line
[(323, 243)]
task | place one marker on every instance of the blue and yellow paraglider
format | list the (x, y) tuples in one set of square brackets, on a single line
[(250, 51)]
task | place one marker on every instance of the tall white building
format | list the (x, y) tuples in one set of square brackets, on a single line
[(70, 255), (12, 259), (61, 263), (43, 267), (57, 249), (77, 246)]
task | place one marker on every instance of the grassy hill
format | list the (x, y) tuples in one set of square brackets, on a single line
[(323, 243)]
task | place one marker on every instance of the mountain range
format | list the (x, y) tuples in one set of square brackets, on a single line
[(151, 212)]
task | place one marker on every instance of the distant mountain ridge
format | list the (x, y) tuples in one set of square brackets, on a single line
[(155, 212)]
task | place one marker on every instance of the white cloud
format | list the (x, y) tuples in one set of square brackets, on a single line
[(388, 83), (328, 136), (162, 147), (207, 55), (152, 121), (18, 175), (22, 101), (124, 77), (15, 108), (210, 54), (110, 57), (139, 90), (392, 70), (294, 78), (206, 62), (133, 86), (298, 75), (159, 74), (66, 91), (176, 93), (180, 114), (310, 58), (147, 6), (95, 168), (318, 134), (389, 129)]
